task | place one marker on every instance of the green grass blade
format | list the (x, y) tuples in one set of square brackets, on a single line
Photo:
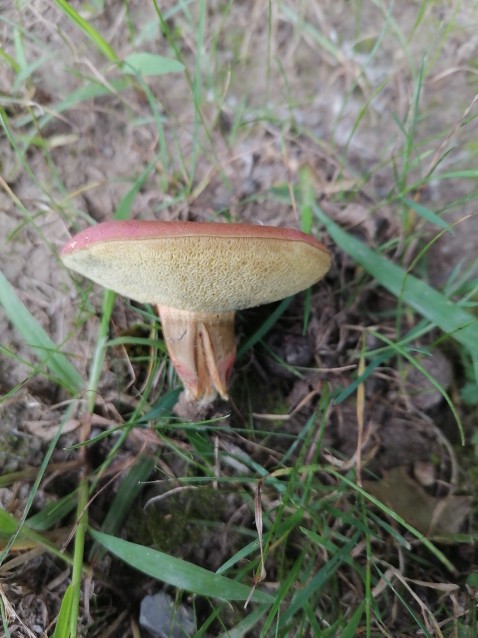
[(11, 527), (27, 71), (350, 631), (246, 624), (88, 30), (467, 174), (301, 598), (5, 618), (161, 408), (264, 329), (427, 301), (15, 528), (36, 337), (427, 214), (429, 377), (197, 86), (281, 530), (307, 198), (63, 620), (350, 389), (96, 368), (287, 585), (126, 204), (19, 47), (10, 61), (421, 628), (8, 523), (52, 513), (127, 493), (78, 96), (178, 573)]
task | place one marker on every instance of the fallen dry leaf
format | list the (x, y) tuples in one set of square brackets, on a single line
[(428, 514)]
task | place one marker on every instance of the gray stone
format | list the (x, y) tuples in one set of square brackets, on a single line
[(163, 619)]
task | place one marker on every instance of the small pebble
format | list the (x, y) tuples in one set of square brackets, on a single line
[(163, 619)]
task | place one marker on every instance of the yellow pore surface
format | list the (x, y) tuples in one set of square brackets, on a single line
[(210, 274)]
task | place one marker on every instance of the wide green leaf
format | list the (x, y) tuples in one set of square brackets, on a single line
[(150, 64), (177, 572)]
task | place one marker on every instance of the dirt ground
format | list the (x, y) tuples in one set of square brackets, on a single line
[(284, 101)]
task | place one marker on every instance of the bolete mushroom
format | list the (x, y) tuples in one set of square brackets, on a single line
[(198, 275)]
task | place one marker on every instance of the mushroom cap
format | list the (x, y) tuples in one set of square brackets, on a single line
[(196, 266)]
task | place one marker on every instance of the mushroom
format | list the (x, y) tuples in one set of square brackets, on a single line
[(198, 275)]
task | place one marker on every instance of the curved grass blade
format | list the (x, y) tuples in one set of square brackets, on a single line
[(124, 499), (90, 31), (246, 624), (63, 621), (177, 572), (444, 313), (315, 584), (36, 337), (264, 329), (13, 529), (427, 214)]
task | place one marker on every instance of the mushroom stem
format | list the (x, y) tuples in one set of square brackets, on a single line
[(202, 348)]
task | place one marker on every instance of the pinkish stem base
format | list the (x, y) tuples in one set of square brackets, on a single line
[(202, 348)]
